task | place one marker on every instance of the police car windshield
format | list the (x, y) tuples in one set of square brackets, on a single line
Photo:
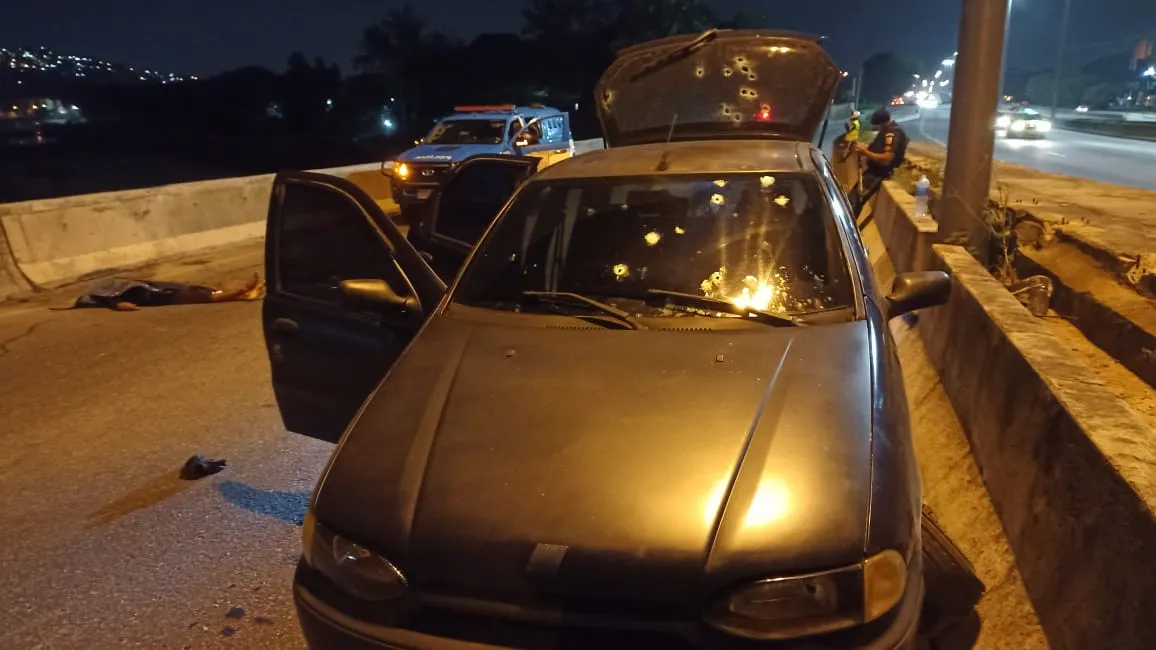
[(468, 131), (762, 241)]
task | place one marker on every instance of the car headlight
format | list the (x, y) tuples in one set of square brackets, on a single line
[(789, 608), (349, 565), (1018, 125), (1042, 125), (401, 170), (1003, 122)]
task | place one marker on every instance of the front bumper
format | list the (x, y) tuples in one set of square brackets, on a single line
[(327, 626)]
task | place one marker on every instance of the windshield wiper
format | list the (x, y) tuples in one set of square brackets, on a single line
[(724, 306), (577, 299), (681, 53)]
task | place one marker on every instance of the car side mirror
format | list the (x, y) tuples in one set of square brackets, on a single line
[(918, 290), (377, 293)]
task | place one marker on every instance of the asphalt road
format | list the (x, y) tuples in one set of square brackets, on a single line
[(1100, 158), (105, 547)]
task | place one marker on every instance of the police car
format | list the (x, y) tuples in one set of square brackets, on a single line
[(536, 131)]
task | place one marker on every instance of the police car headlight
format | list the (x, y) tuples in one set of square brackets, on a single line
[(401, 170), (350, 566), (1003, 122), (1043, 125), (1018, 125)]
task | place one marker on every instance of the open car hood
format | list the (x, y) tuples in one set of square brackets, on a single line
[(722, 83)]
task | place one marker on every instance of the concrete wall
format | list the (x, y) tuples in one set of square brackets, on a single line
[(1070, 468), (52, 242)]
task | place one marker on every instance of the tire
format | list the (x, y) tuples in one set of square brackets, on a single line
[(952, 587)]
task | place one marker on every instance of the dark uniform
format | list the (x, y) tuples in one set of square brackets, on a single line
[(889, 139)]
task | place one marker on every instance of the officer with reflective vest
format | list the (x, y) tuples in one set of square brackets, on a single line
[(883, 156)]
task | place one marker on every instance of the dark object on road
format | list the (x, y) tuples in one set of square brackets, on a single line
[(953, 588), (235, 612), (124, 294), (661, 406), (199, 467)]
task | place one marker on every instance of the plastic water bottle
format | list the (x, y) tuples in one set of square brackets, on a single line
[(922, 194)]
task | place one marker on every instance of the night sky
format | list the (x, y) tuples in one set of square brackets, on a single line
[(208, 36)]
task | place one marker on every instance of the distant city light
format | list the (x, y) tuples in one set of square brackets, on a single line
[(938, 73), (1150, 72), (947, 63)]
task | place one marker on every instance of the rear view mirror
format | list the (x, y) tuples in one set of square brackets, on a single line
[(376, 293), (919, 290)]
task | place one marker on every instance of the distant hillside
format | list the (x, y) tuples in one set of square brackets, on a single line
[(38, 70)]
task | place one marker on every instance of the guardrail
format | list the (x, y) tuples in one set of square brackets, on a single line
[(1070, 468)]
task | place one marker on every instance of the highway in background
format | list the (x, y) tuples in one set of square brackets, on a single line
[(1100, 158)]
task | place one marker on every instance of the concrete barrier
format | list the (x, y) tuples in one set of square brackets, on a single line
[(52, 242), (1070, 468), (908, 238)]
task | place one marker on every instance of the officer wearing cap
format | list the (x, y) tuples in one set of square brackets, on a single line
[(883, 156)]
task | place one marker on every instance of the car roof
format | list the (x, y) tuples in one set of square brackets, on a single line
[(687, 157)]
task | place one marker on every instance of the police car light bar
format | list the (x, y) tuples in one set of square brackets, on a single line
[(485, 109)]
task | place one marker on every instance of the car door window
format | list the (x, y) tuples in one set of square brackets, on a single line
[(324, 240), (480, 192)]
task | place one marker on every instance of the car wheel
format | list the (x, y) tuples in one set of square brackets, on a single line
[(952, 587)]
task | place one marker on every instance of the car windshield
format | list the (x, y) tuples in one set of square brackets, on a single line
[(468, 132), (763, 241)]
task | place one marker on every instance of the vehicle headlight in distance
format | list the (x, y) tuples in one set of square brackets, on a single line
[(352, 567), (791, 608), (1003, 122)]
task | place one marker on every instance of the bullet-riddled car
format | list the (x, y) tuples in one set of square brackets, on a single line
[(658, 404)]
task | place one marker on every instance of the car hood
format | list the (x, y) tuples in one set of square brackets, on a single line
[(652, 464), (444, 153)]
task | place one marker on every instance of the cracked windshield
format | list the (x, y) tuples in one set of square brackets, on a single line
[(760, 241), (578, 324)]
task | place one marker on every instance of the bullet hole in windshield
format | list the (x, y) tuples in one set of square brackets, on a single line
[(752, 76), (782, 201), (621, 272), (748, 93), (721, 182), (725, 109), (717, 199), (678, 230), (727, 72), (700, 72), (767, 181), (652, 238)]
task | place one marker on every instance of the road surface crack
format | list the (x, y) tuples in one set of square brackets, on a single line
[(5, 345)]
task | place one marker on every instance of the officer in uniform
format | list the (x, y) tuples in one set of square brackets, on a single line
[(885, 153)]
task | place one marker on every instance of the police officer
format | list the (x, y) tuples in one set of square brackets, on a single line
[(883, 156), (852, 127)]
